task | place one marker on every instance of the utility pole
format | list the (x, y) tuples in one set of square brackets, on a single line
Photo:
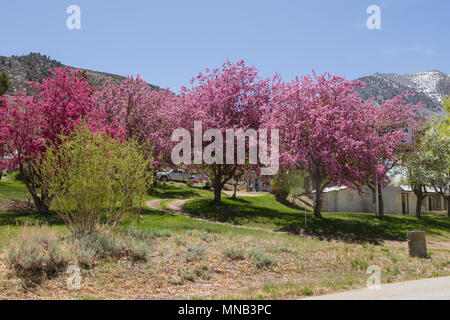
[(377, 199), (377, 196)]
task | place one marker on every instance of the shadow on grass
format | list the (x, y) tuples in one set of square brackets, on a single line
[(348, 227), (237, 200), (154, 212), (179, 191), (13, 218), (290, 204)]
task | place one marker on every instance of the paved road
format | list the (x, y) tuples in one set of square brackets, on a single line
[(426, 289)]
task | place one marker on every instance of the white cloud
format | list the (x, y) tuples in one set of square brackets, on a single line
[(416, 49)]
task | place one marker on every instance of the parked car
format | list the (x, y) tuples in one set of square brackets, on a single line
[(175, 175), (207, 185)]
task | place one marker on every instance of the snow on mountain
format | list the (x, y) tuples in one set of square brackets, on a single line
[(428, 88), (434, 83)]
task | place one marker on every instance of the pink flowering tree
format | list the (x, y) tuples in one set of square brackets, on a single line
[(33, 119), (327, 130), (143, 112), (230, 97)]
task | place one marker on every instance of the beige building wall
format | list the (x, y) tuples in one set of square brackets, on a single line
[(345, 200)]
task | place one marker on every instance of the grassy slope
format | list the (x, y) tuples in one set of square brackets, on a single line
[(263, 212), (174, 190), (266, 212), (15, 190)]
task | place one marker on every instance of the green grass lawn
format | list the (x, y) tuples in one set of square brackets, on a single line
[(178, 190), (263, 212), (14, 190), (11, 221), (267, 212)]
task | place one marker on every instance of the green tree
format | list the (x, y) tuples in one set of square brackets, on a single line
[(436, 152), (236, 179), (416, 177), (445, 122), (94, 179), (285, 181), (5, 84)]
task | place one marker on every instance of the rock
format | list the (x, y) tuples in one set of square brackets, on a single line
[(417, 244)]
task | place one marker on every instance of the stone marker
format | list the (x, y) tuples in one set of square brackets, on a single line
[(417, 244)]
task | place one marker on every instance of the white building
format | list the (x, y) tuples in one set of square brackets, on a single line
[(396, 199)]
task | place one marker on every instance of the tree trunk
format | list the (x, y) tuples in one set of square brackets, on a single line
[(380, 202), (419, 205), (318, 204), (448, 206), (319, 188), (41, 203), (217, 192), (419, 192), (380, 199), (235, 190)]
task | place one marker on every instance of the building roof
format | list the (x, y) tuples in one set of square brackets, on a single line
[(408, 189), (331, 189), (401, 187)]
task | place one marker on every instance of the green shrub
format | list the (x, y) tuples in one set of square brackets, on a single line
[(194, 252), (261, 259), (307, 291), (234, 253), (186, 275), (148, 234), (202, 234), (86, 256), (181, 241), (286, 181), (14, 176), (136, 250), (359, 264), (37, 254), (92, 247), (94, 178), (203, 272), (289, 249)]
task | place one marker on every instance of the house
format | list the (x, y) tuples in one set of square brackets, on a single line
[(396, 199)]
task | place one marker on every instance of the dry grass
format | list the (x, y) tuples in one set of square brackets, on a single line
[(16, 205), (302, 267)]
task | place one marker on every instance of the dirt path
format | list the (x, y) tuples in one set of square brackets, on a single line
[(244, 193), (154, 204), (176, 207)]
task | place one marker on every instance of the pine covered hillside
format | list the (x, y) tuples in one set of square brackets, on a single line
[(35, 67)]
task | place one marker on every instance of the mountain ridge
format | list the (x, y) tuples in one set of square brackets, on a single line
[(428, 87), (35, 67)]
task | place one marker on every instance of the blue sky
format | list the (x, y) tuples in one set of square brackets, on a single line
[(168, 42)]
